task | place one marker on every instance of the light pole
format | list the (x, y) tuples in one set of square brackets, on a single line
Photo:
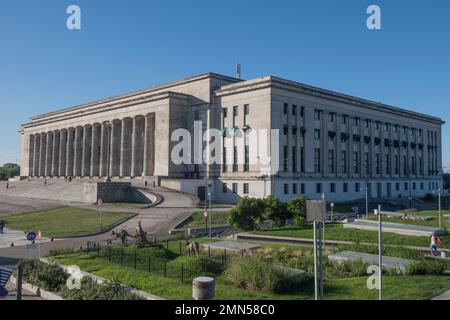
[(210, 216), (438, 191), (323, 223), (380, 253)]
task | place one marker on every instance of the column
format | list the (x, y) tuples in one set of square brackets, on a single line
[(149, 145), (125, 148), (55, 153), (95, 152), (49, 154), (78, 152), (37, 142), (70, 152), (42, 151), (87, 150), (104, 148), (30, 154), (137, 147), (115, 148), (62, 153)]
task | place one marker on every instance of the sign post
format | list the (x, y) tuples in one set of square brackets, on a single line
[(31, 236), (316, 212)]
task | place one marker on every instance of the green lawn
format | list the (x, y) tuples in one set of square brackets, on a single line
[(127, 205), (197, 220), (65, 221), (434, 222), (338, 232), (395, 287)]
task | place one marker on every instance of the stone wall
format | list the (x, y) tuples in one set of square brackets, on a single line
[(108, 192)]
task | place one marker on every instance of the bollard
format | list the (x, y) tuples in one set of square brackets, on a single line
[(19, 283), (203, 288)]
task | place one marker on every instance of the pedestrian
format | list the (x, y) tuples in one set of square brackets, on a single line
[(433, 245), (2, 226), (45, 182), (70, 178), (7, 185), (145, 182)]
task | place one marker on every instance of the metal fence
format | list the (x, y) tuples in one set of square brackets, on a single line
[(169, 259)]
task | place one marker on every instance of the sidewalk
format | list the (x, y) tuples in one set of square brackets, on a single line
[(443, 296)]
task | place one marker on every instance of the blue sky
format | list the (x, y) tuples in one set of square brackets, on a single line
[(129, 45)]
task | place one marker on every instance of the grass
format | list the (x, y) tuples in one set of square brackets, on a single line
[(197, 220), (395, 287), (338, 232), (65, 221), (127, 205), (434, 222)]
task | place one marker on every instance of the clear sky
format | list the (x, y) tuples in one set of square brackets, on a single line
[(129, 45)]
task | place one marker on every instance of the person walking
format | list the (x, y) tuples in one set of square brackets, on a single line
[(433, 245), (2, 226)]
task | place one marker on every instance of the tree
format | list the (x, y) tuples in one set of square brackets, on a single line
[(247, 213), (297, 208), (9, 170), (276, 211)]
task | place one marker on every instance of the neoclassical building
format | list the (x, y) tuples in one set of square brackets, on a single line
[(328, 143)]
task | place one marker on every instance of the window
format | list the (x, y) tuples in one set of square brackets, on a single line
[(397, 186), (377, 163), (302, 159), (345, 187), (318, 188), (344, 161), (397, 165), (235, 111), (285, 108), (302, 188), (344, 119), (317, 134), (366, 123), (317, 114), (331, 161), (294, 188), (225, 112), (294, 159), (406, 186), (386, 127), (246, 188), (377, 125), (286, 188), (405, 129), (395, 128), (224, 160), (388, 164), (317, 160), (405, 166), (413, 165), (367, 163), (332, 187), (421, 186), (302, 111), (246, 113), (355, 162), (285, 158), (355, 121), (357, 187), (331, 117), (224, 188), (414, 186), (420, 132), (235, 159), (247, 159), (294, 110), (235, 188)]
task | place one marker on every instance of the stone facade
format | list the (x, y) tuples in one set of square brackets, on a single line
[(328, 142)]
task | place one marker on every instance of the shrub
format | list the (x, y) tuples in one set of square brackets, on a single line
[(256, 274), (335, 269), (90, 290), (297, 209), (60, 252), (276, 211), (425, 266), (247, 213), (48, 277)]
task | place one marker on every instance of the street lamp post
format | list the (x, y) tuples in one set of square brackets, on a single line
[(380, 254), (438, 191)]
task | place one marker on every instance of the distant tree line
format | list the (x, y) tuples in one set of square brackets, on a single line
[(9, 170), (249, 213)]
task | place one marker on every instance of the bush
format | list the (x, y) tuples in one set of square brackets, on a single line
[(60, 252), (256, 274), (247, 213), (110, 290), (425, 266), (335, 269), (297, 209), (48, 277)]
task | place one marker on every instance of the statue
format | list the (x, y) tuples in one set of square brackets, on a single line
[(123, 235), (192, 247), (140, 235)]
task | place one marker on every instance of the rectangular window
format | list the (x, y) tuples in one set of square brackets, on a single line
[(302, 112), (294, 188), (294, 110), (224, 160), (294, 159), (395, 128), (377, 163), (414, 186), (377, 125), (388, 164), (317, 134), (405, 166), (386, 127), (317, 160), (331, 161), (397, 186), (302, 159), (285, 108), (366, 123), (355, 121), (302, 188), (331, 117), (235, 188), (413, 165), (235, 111), (332, 187), (235, 159), (286, 188), (345, 187), (367, 163), (246, 188), (421, 186), (344, 119), (247, 159), (224, 188), (225, 112), (344, 161), (357, 187), (318, 188), (397, 165), (355, 162), (285, 159), (317, 114)]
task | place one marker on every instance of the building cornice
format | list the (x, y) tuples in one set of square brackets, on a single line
[(275, 82)]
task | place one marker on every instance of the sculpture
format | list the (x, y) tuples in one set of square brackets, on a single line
[(123, 235), (140, 235), (192, 247)]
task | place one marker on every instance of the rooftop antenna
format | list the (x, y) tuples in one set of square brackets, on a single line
[(238, 71)]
